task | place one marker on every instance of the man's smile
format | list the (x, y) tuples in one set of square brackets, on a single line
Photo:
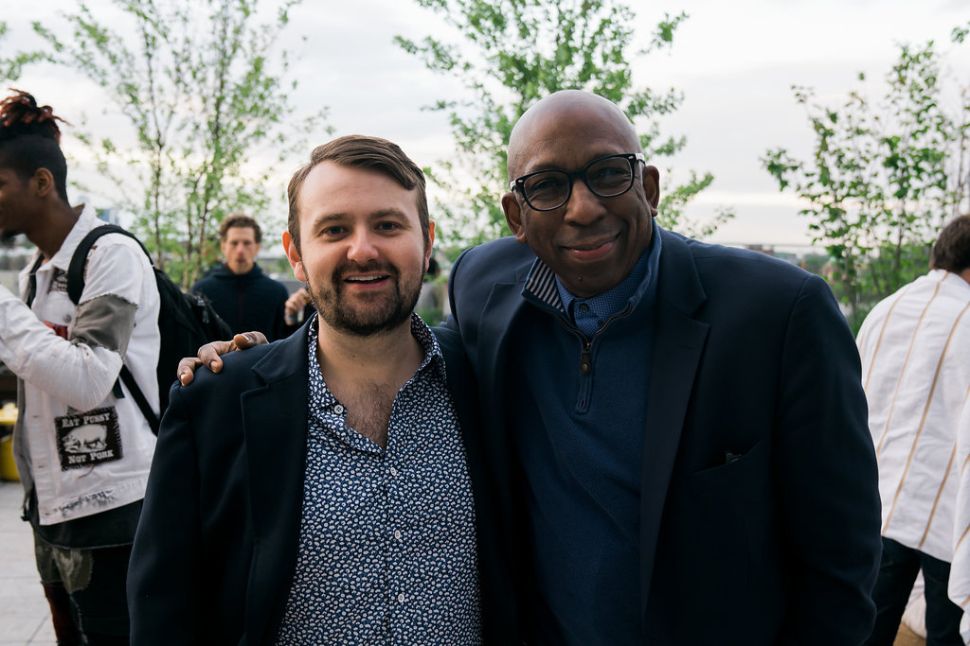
[(367, 281), (588, 251)]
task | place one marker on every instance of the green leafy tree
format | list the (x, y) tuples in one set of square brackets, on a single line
[(194, 84), (884, 176), (515, 52)]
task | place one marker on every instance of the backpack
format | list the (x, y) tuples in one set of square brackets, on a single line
[(185, 322)]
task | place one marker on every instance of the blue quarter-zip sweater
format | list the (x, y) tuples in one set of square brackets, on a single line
[(582, 418)]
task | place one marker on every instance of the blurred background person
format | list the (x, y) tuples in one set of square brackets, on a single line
[(915, 348), (245, 297)]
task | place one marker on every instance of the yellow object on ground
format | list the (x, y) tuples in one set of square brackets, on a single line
[(8, 468)]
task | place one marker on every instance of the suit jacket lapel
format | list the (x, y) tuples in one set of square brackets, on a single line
[(275, 423), (504, 303), (677, 352)]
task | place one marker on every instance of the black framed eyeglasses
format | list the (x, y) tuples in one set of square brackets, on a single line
[(547, 190)]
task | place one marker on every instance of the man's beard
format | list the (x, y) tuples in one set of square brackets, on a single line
[(377, 313)]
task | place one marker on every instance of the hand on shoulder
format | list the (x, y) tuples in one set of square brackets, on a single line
[(209, 355)]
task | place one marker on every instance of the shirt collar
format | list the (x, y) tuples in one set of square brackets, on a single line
[(86, 221), (429, 345), (419, 330), (544, 286), (955, 280)]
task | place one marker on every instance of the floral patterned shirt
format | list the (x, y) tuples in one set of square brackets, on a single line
[(387, 549)]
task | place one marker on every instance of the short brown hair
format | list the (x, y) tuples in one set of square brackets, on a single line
[(240, 220), (951, 251), (359, 151)]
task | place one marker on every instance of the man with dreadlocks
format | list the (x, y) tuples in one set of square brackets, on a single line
[(82, 446)]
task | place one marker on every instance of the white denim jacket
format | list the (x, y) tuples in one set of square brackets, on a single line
[(84, 450)]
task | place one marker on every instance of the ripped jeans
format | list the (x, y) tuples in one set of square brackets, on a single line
[(85, 589)]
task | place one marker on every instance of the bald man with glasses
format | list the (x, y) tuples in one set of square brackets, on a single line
[(676, 430)]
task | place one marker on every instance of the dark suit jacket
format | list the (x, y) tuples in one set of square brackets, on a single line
[(216, 547), (753, 358)]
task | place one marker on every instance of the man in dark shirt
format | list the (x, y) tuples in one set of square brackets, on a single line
[(245, 297)]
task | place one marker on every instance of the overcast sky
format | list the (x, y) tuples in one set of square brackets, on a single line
[(734, 61)]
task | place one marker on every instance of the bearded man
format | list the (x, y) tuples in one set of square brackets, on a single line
[(318, 492)]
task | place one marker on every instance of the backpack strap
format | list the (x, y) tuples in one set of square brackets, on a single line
[(75, 287), (75, 270), (139, 397)]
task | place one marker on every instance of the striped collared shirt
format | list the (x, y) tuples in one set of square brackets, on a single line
[(543, 286), (915, 349)]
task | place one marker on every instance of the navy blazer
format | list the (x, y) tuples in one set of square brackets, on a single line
[(759, 507), (216, 547)]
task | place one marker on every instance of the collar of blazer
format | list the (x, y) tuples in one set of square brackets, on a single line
[(679, 285), (274, 417), (286, 358)]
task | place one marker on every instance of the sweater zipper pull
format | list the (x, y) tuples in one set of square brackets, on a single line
[(586, 358)]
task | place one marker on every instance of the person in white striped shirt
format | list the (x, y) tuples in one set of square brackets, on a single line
[(915, 349)]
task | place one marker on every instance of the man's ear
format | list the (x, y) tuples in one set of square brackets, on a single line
[(651, 186), (293, 255), (513, 215), (43, 183), (429, 246)]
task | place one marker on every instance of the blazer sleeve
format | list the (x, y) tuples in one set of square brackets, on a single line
[(826, 469), (163, 593)]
